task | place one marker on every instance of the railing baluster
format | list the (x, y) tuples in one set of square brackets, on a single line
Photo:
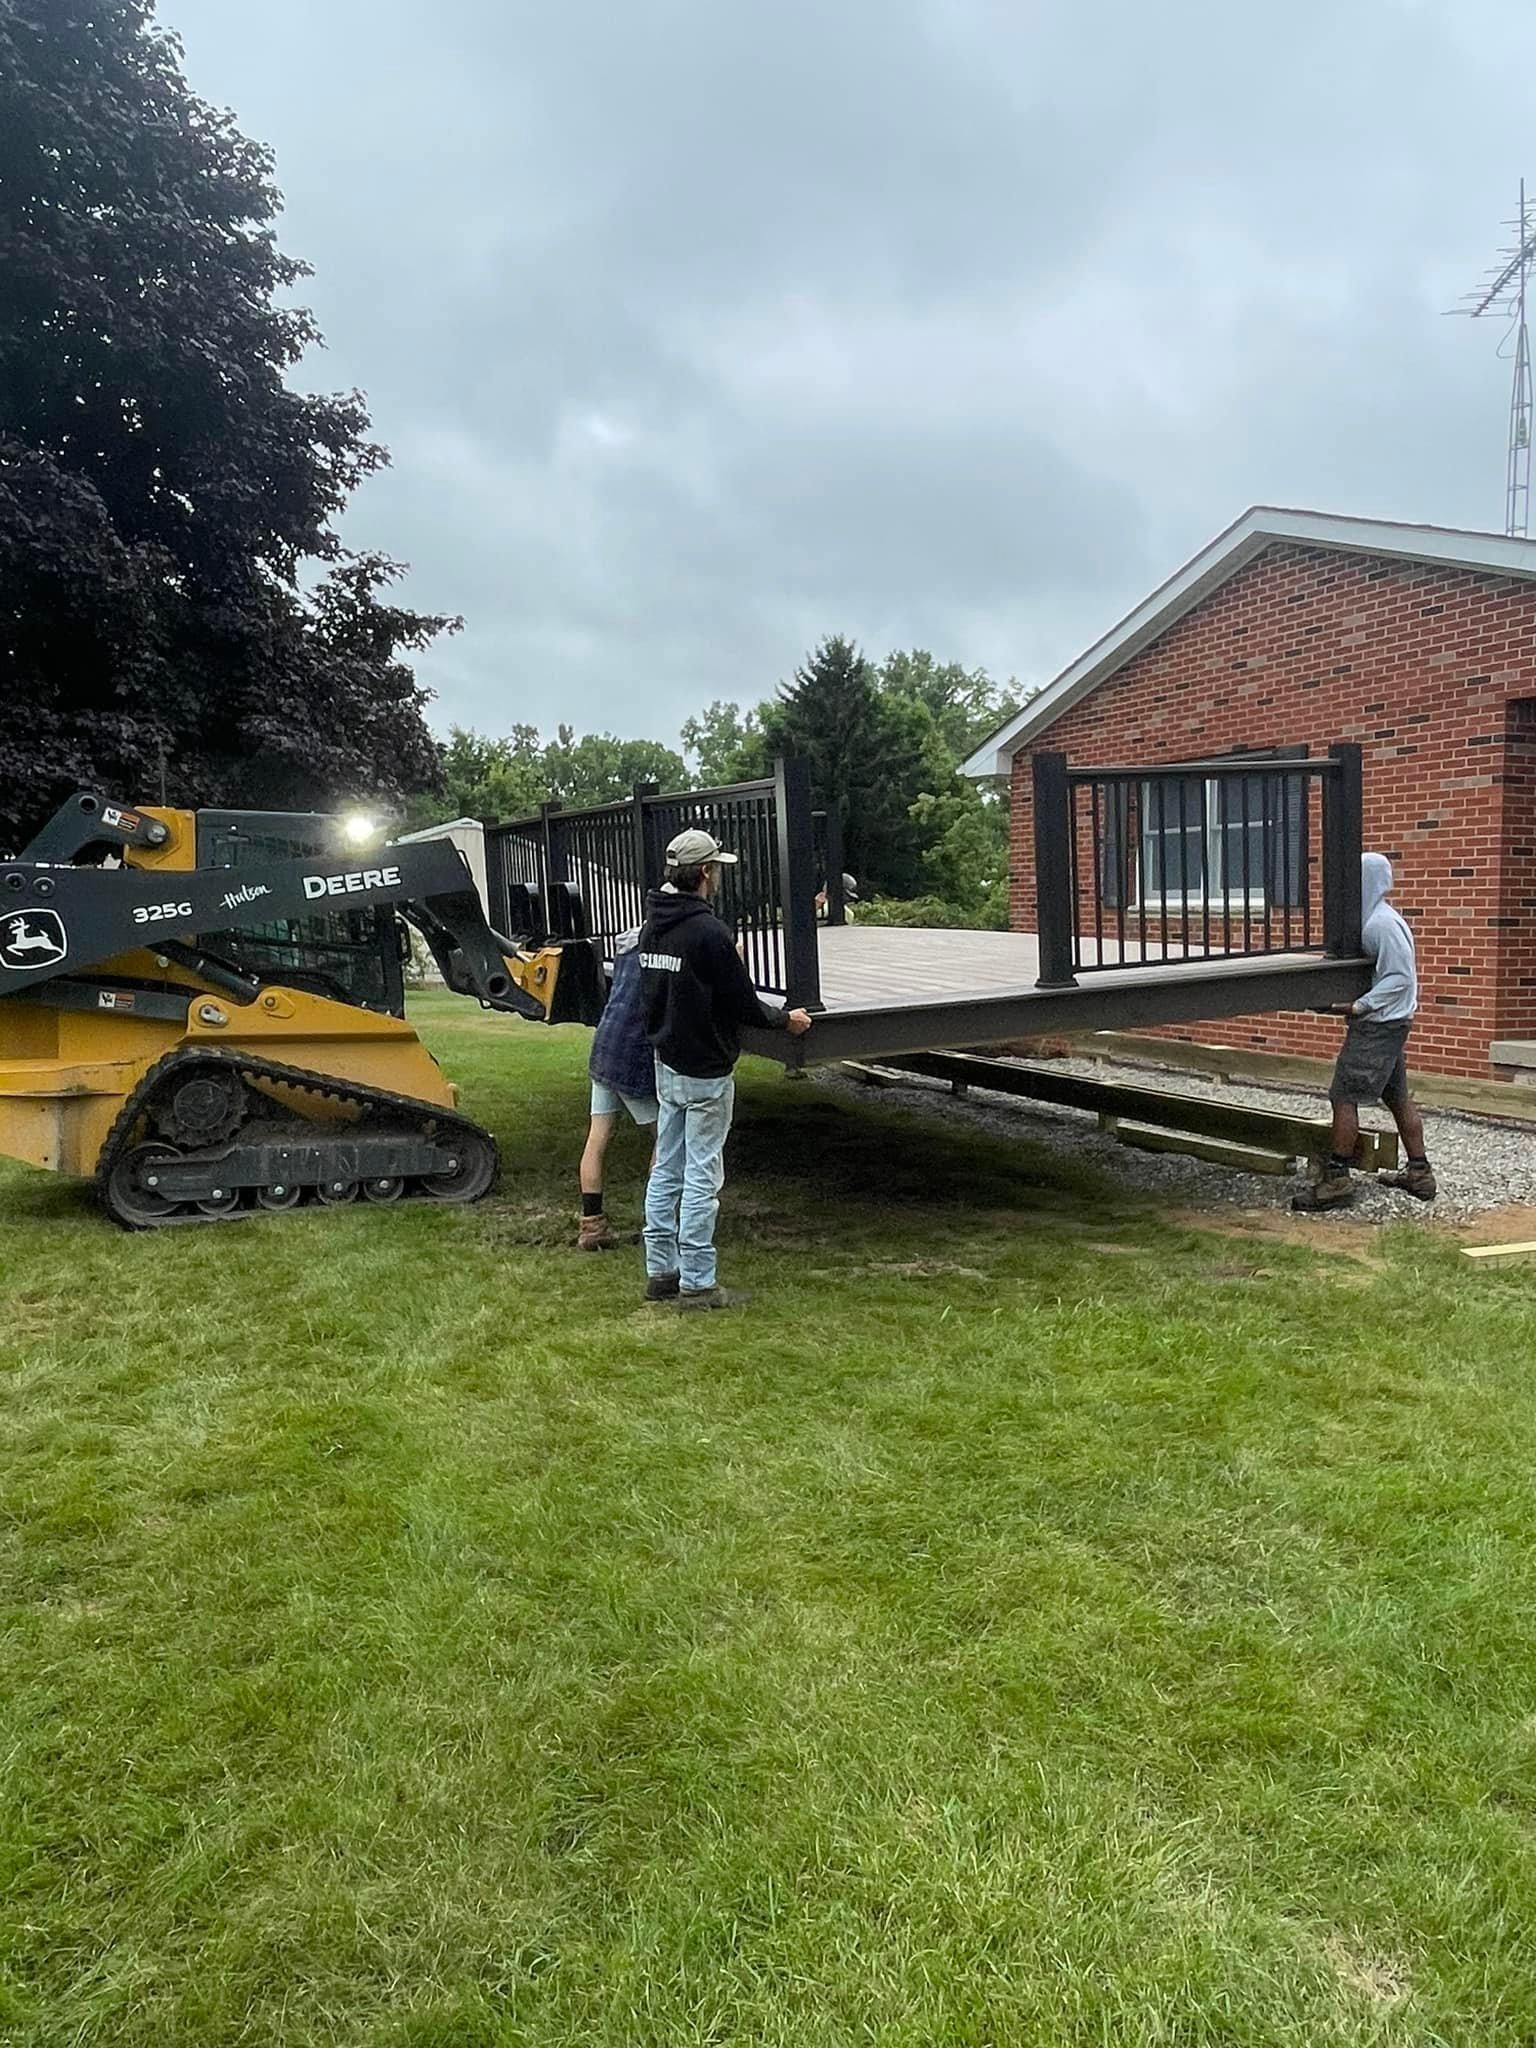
[(1247, 896), (1266, 867), (1123, 869)]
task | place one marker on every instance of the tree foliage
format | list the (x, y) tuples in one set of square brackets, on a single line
[(871, 756), (965, 704), (727, 744), (599, 769), (480, 777), (511, 777), (161, 485), (885, 742)]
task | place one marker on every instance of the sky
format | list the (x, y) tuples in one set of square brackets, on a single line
[(700, 329)]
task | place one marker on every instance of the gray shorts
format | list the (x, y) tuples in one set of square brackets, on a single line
[(1372, 1066)]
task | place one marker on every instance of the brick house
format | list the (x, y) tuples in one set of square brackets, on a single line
[(1299, 628)]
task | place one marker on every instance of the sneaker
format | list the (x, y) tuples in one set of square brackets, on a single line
[(1329, 1191), (1418, 1181), (662, 1287), (713, 1297), (593, 1235)]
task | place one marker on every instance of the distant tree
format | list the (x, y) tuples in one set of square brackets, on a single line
[(511, 777), (161, 487), (871, 755), (484, 778), (599, 769), (727, 743), (966, 704)]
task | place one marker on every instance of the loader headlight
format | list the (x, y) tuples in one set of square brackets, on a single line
[(359, 830)]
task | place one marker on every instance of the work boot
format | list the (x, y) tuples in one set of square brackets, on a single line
[(712, 1297), (594, 1235), (1416, 1179), (1333, 1189), (662, 1286)]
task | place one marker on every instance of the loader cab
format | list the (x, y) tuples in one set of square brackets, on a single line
[(355, 956)]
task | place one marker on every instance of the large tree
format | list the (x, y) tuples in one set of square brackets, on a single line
[(871, 754), (162, 488)]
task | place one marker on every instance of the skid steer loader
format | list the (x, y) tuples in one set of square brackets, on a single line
[(204, 1011)]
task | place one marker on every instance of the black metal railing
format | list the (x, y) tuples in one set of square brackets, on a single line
[(587, 873), (1249, 855)]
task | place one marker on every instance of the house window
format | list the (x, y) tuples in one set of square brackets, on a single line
[(1204, 841)]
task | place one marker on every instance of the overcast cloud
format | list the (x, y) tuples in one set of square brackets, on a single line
[(698, 328)]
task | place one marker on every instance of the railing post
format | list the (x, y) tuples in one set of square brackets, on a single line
[(1055, 911), (497, 900), (797, 883), (1343, 833), (554, 863), (646, 872), (837, 908)]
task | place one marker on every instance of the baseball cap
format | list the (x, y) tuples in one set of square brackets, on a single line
[(696, 849)]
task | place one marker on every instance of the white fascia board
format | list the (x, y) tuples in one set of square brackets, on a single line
[(1490, 554)]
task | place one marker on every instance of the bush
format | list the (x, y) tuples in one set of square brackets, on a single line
[(933, 913)]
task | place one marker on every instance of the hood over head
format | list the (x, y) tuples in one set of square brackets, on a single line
[(1375, 882)]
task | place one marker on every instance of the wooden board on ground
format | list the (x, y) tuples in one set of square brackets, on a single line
[(1235, 1123), (1514, 1101), (1501, 1253), (1214, 1151)]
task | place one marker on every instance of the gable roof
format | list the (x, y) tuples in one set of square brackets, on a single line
[(1262, 525)]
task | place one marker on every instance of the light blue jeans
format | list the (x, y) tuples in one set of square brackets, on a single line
[(682, 1197)]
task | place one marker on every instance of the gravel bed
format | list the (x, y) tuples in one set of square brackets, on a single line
[(1480, 1162)]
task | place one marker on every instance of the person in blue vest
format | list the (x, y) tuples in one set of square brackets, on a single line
[(622, 1070)]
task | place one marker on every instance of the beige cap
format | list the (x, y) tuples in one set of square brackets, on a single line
[(696, 849)]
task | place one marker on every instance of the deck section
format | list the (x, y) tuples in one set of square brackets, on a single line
[(890, 990)]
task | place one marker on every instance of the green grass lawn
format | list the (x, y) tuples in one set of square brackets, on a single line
[(1028, 1623)]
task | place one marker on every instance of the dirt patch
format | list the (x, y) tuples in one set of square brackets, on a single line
[(1513, 1224), (1382, 1979), (1359, 1242)]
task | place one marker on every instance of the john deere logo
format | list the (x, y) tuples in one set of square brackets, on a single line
[(32, 938)]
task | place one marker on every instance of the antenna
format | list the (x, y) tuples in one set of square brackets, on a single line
[(1506, 293)]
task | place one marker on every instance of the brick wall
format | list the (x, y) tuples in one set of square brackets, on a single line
[(1433, 671)]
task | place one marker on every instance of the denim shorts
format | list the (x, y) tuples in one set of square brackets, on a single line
[(608, 1101)]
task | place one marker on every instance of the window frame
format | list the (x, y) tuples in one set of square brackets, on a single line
[(1213, 849)]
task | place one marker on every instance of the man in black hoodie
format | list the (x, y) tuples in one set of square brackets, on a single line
[(697, 996)]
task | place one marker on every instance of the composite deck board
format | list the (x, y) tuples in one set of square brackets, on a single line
[(876, 966)]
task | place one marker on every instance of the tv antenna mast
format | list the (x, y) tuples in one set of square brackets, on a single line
[(1506, 293)]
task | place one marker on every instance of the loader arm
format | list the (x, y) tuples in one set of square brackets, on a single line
[(58, 922), (90, 820)]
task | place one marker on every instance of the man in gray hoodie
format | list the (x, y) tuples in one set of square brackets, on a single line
[(1372, 1066)]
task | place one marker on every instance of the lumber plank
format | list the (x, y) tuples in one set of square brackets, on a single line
[(1215, 1151), (1161, 1108), (1499, 1252)]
